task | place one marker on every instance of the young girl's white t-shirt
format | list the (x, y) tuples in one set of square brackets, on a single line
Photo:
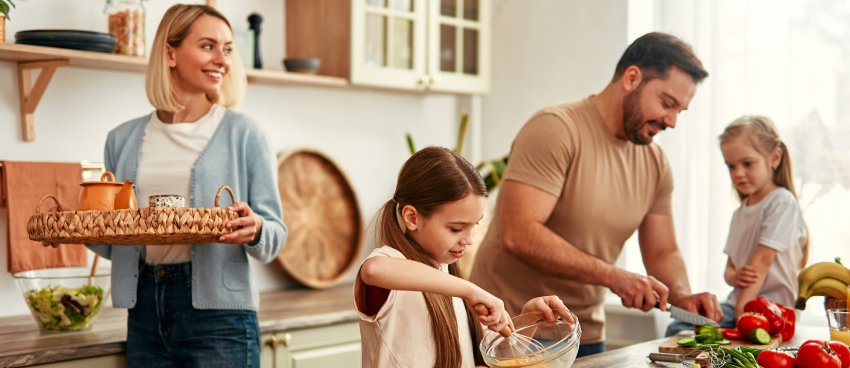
[(400, 334), (775, 222), (168, 154)]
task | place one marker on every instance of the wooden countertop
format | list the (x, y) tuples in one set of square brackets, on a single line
[(636, 355), (22, 344)]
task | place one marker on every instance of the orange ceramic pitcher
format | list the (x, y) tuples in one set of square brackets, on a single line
[(106, 195)]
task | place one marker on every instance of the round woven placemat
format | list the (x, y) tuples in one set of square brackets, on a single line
[(137, 226), (321, 212)]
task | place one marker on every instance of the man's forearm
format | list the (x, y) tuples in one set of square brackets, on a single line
[(551, 254), (669, 268)]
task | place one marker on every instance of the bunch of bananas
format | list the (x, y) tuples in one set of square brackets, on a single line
[(829, 279)]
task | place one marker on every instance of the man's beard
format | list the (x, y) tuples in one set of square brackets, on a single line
[(633, 118)]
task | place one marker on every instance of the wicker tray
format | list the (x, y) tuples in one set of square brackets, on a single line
[(138, 226)]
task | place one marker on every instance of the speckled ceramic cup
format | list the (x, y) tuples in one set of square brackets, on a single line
[(167, 200)]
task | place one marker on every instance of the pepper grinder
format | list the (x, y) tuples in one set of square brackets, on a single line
[(255, 20)]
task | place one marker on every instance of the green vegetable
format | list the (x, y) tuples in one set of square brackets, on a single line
[(705, 339), (718, 335), (747, 349), (740, 358), (760, 336), (704, 329), (688, 342), (724, 342), (64, 309)]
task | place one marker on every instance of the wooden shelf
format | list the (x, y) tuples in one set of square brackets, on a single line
[(97, 60), (47, 59)]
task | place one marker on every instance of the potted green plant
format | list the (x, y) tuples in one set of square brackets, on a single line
[(4, 14)]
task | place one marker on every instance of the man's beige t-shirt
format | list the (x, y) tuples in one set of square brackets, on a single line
[(605, 187), (400, 334)]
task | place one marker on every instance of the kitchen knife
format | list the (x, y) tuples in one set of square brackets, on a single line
[(680, 314)]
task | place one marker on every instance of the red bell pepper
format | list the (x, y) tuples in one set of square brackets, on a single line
[(770, 311), (730, 333), (790, 320)]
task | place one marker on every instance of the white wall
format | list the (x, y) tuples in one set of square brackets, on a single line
[(547, 52), (363, 131)]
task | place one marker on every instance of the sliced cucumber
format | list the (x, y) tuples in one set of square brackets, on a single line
[(705, 338), (723, 342), (718, 335), (760, 336), (688, 342), (705, 329)]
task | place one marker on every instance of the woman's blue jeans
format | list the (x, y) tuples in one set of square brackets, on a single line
[(165, 330)]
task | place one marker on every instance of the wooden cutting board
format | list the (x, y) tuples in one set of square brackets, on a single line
[(671, 346)]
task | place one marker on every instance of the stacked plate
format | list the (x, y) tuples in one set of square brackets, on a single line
[(68, 39)]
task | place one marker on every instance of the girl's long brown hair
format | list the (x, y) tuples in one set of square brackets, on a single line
[(429, 179), (764, 137)]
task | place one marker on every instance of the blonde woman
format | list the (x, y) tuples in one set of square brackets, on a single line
[(195, 305)]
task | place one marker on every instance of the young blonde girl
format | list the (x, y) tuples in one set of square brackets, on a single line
[(409, 294), (768, 243)]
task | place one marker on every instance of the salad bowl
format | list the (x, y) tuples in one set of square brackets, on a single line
[(64, 299)]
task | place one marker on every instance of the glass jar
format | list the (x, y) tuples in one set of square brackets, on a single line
[(126, 19)]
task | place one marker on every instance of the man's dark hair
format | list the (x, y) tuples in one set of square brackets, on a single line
[(654, 53)]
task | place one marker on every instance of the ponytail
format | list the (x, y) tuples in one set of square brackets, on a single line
[(783, 177), (430, 178)]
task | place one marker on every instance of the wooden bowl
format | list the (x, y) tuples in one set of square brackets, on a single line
[(322, 215)]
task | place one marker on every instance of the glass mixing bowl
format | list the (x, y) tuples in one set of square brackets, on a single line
[(535, 343), (64, 299)]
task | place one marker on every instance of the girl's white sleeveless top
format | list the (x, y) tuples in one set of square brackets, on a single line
[(400, 334)]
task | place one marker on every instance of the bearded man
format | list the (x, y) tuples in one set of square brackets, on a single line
[(581, 178)]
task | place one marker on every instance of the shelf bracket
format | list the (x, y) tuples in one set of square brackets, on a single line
[(31, 94)]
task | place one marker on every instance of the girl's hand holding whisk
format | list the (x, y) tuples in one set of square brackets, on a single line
[(498, 317)]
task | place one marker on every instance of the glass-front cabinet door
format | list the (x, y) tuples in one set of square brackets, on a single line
[(388, 43), (459, 45)]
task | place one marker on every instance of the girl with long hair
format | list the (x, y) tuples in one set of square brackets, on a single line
[(409, 293)]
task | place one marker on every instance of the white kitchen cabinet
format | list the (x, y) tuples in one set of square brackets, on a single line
[(438, 45), (388, 43), (327, 346), (459, 45)]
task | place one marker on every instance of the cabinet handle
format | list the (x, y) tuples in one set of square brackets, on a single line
[(287, 339), (424, 81), (272, 341), (436, 79)]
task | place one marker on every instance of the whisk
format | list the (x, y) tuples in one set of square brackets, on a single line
[(524, 349)]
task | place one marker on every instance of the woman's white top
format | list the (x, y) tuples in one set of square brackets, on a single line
[(165, 167), (400, 334), (775, 222)]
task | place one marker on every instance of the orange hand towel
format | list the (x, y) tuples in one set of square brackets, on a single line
[(24, 183)]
